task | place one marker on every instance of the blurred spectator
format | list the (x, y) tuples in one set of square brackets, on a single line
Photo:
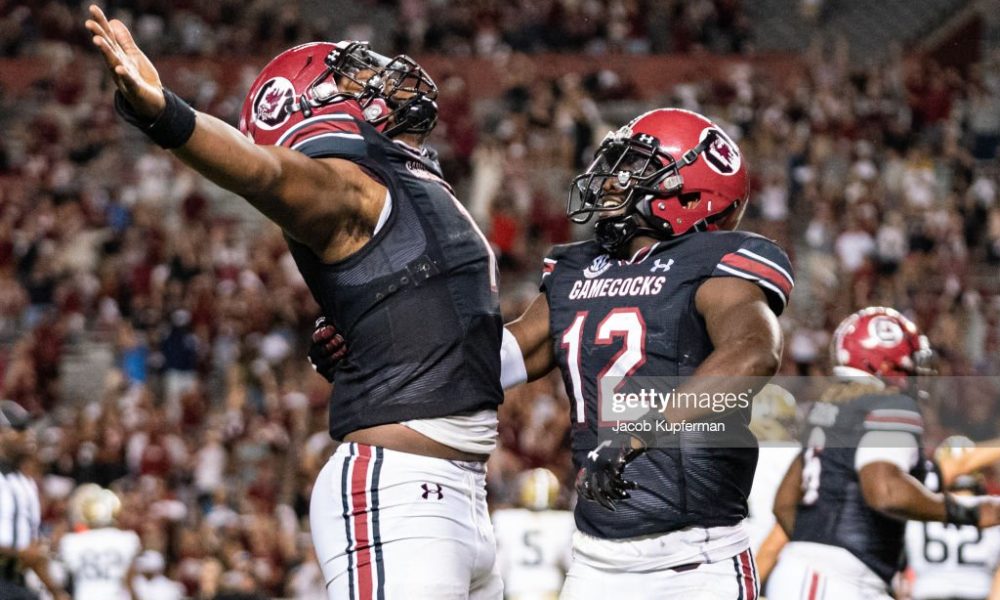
[(485, 28), (150, 583), (854, 246)]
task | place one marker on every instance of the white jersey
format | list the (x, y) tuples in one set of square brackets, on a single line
[(534, 549), (157, 587), (951, 561), (98, 561), (771, 468)]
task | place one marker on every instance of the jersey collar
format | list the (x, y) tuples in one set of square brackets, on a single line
[(421, 152), (640, 255)]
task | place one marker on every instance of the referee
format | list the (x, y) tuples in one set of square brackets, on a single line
[(20, 509)]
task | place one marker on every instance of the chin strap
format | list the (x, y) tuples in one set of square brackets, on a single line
[(417, 115), (614, 233)]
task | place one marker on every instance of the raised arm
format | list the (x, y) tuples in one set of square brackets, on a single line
[(319, 202), (313, 200)]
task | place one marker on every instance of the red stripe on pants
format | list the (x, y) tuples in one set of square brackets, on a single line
[(746, 568), (359, 504), (813, 586)]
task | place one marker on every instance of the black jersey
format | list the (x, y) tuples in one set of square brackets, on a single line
[(638, 318), (833, 510), (418, 304)]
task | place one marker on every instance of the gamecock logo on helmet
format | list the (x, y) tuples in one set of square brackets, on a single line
[(883, 331), (722, 156), (271, 106)]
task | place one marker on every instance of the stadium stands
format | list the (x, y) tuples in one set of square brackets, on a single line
[(161, 331)]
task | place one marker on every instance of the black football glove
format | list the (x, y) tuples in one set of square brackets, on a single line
[(327, 349), (601, 479)]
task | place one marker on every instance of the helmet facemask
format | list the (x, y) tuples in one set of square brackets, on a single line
[(348, 64), (628, 173), (384, 87), (409, 94), (924, 367), (342, 78)]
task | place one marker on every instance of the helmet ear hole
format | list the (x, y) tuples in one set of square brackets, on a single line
[(690, 200)]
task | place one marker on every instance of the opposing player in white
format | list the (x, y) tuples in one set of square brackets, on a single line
[(534, 541), (98, 555), (952, 562)]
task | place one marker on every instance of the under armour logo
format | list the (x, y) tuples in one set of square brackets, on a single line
[(657, 265), (647, 139), (594, 454), (428, 491)]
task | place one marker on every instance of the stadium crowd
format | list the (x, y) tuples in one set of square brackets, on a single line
[(484, 27), (881, 183)]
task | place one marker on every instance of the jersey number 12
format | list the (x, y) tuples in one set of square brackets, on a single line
[(624, 323)]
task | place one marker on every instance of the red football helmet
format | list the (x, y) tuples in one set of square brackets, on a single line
[(674, 168), (346, 77), (300, 83), (882, 342)]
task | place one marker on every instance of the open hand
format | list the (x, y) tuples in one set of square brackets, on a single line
[(602, 477), (131, 70)]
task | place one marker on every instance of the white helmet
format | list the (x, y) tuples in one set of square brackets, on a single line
[(94, 506), (539, 489)]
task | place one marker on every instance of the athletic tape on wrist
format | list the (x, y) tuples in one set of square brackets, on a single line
[(172, 129)]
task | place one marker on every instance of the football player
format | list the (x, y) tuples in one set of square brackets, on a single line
[(845, 501), (98, 556), (534, 539), (665, 288), (329, 148), (949, 561)]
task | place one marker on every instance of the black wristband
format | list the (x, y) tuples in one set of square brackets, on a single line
[(172, 129), (959, 513)]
